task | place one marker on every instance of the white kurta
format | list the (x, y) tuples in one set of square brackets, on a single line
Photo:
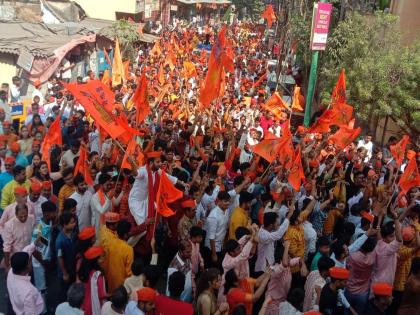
[(83, 211), (138, 199)]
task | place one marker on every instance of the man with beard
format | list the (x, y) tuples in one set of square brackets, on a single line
[(82, 196)]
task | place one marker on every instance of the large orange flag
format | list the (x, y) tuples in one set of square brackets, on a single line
[(53, 137), (286, 150), (161, 75), (410, 178), (296, 174), (129, 151), (269, 15), (140, 100), (126, 67), (267, 149), (82, 166), (339, 92), (322, 125), (117, 66), (344, 136), (274, 105), (166, 194), (297, 98), (340, 115), (218, 59), (398, 150)]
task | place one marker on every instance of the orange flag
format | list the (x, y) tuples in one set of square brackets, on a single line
[(217, 61), (267, 149), (339, 92), (296, 105), (269, 15), (156, 50), (161, 75), (398, 150), (117, 66), (140, 100), (82, 166), (189, 70), (344, 136), (222, 84), (170, 60), (53, 137), (410, 178), (296, 174), (126, 66), (260, 80), (166, 194), (106, 79), (131, 147), (340, 115), (274, 105), (286, 150)]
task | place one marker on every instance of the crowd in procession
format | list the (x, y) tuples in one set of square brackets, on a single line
[(267, 218)]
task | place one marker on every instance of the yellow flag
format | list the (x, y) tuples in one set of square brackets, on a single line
[(117, 66)]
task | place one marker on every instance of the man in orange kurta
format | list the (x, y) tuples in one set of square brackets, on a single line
[(120, 257)]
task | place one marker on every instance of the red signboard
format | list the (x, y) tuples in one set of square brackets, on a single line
[(320, 25)]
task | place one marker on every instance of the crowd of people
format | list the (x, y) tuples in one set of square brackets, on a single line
[(243, 238)]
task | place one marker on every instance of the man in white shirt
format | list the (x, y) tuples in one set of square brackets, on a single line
[(82, 196), (216, 227), (35, 200), (366, 143), (69, 155), (101, 200), (270, 232), (15, 90)]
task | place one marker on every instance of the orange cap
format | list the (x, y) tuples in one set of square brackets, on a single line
[(37, 83), (46, 184), (153, 154), (382, 288), (21, 191), (36, 186), (112, 217), (94, 252), (87, 233), (14, 147), (146, 294), (367, 216), (408, 233), (36, 142), (9, 160), (339, 273), (188, 204)]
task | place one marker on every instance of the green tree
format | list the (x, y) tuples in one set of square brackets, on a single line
[(253, 8), (382, 74)]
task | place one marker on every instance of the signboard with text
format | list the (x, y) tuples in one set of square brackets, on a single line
[(320, 25)]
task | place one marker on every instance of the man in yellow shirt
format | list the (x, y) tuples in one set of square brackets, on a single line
[(240, 215), (7, 194), (68, 188), (108, 232), (120, 257)]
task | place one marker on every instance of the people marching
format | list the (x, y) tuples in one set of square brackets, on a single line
[(180, 185)]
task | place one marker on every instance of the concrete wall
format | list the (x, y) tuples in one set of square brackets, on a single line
[(409, 13), (7, 68), (105, 9)]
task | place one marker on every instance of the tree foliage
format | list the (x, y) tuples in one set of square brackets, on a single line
[(128, 36), (253, 8), (382, 75)]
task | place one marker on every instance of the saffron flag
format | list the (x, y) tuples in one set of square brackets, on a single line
[(52, 137), (156, 50), (267, 149), (217, 61), (286, 151), (297, 98), (82, 166), (129, 151), (126, 67), (189, 70), (296, 174), (344, 136), (339, 92), (398, 150), (140, 100), (117, 66), (106, 79), (274, 105), (166, 194), (93, 96), (269, 15), (161, 75), (341, 114), (410, 178), (260, 80)]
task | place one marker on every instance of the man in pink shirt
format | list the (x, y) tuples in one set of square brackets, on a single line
[(17, 233), (21, 194), (361, 265), (25, 298), (386, 252)]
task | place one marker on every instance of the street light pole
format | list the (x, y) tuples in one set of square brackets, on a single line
[(311, 85)]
